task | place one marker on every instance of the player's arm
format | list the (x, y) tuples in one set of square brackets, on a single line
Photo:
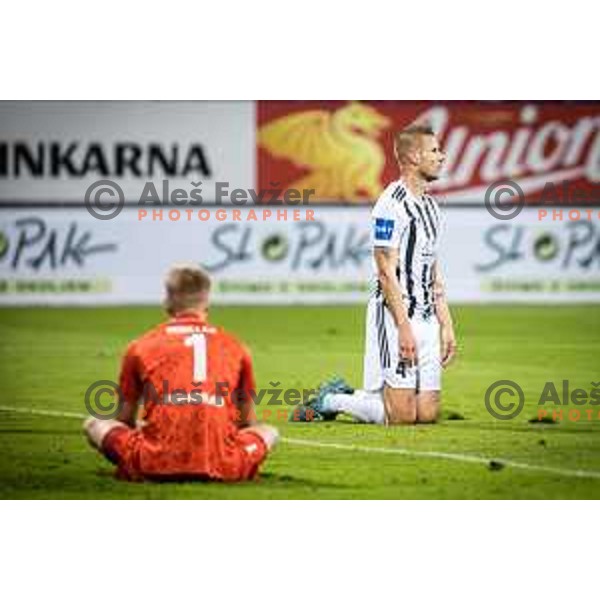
[(442, 310), (247, 392), (131, 387), (386, 259)]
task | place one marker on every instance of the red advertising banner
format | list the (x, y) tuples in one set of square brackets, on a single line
[(343, 150)]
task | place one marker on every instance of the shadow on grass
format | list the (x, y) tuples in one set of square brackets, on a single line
[(284, 480), (264, 479), (38, 431), (527, 427)]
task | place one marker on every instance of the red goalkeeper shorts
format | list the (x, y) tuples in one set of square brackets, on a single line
[(237, 458)]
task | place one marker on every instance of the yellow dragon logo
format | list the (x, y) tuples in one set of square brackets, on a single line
[(340, 148)]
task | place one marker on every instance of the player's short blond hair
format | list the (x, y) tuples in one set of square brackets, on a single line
[(404, 140), (187, 286)]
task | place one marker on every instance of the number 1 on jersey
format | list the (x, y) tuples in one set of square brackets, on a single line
[(198, 343)]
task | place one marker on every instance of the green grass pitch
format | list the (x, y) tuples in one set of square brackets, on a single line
[(48, 357)]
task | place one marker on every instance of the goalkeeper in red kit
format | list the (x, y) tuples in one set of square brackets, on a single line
[(206, 429)]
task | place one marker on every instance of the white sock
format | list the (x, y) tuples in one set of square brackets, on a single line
[(365, 407)]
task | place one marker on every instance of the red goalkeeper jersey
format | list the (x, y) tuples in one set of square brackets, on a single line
[(189, 377)]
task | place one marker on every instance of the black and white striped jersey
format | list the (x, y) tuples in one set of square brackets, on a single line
[(411, 225)]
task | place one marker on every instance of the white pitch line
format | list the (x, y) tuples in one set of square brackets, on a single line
[(467, 458), (42, 412), (471, 458)]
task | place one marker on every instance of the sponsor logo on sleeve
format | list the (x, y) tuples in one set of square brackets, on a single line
[(384, 229)]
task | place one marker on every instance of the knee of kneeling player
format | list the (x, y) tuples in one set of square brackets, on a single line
[(427, 419), (402, 417), (401, 421), (428, 415)]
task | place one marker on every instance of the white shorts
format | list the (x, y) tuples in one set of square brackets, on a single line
[(381, 362)]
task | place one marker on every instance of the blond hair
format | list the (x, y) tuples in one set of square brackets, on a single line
[(187, 286), (404, 140)]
